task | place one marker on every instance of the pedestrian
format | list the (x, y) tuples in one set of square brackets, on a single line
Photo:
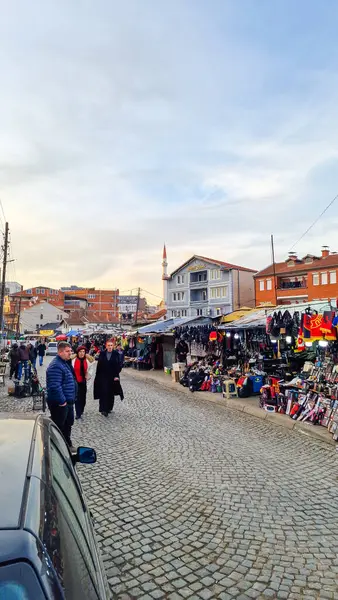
[(88, 345), (107, 377), (121, 354), (42, 349), (81, 364), (62, 391), (153, 352), (24, 362), (14, 358), (32, 354)]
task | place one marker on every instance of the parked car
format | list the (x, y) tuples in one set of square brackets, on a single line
[(52, 349), (47, 544)]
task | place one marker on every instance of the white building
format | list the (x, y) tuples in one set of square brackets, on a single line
[(12, 287), (33, 318), (206, 287)]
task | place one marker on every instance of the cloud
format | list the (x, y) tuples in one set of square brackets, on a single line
[(208, 127)]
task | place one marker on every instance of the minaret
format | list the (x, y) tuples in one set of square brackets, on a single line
[(165, 276)]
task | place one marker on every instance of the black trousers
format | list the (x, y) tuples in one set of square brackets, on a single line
[(80, 401), (13, 369), (107, 404), (63, 417)]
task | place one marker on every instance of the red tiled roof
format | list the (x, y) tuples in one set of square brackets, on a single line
[(221, 263), (158, 315), (300, 266)]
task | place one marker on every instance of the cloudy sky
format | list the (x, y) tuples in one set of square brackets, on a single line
[(126, 123)]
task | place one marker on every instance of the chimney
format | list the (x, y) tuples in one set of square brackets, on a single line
[(325, 251), (292, 256)]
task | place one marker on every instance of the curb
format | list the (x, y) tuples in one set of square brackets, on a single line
[(318, 433)]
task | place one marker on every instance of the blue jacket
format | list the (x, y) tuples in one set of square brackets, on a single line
[(61, 383)]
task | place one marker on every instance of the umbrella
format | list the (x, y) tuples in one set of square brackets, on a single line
[(61, 337)]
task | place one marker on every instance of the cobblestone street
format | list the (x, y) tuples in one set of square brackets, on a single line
[(195, 501)]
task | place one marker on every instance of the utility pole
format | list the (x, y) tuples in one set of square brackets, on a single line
[(137, 304), (3, 281), (18, 320), (274, 269)]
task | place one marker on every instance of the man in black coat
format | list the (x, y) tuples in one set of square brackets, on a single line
[(107, 378)]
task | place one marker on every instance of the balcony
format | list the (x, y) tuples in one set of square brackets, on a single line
[(200, 296), (292, 285)]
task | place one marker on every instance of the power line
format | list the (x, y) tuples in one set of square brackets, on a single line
[(2, 210), (150, 294), (315, 221)]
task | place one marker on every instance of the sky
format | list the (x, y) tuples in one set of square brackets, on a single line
[(207, 125)]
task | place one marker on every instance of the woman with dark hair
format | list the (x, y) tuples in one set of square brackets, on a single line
[(81, 365)]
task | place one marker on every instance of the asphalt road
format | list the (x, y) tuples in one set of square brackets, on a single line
[(195, 501)]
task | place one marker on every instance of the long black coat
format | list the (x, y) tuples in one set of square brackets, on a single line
[(107, 370)]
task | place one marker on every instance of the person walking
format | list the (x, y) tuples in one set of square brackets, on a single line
[(24, 362), (32, 354), (107, 376), (42, 349), (62, 391), (153, 352), (14, 358), (121, 354), (81, 365)]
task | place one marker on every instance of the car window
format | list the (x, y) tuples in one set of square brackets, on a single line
[(61, 446), (76, 579), (68, 495), (18, 581)]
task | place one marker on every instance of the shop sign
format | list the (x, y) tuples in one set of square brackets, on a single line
[(196, 267), (46, 332)]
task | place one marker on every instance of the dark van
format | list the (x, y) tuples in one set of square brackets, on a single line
[(47, 544)]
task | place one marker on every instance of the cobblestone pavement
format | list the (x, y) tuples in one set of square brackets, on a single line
[(195, 501)]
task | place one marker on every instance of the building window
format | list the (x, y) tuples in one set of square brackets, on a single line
[(269, 284), (28, 291), (178, 296), (215, 274), (261, 285), (42, 290), (324, 278), (91, 296), (37, 291), (180, 279), (41, 317), (220, 292), (333, 276), (199, 312), (315, 278)]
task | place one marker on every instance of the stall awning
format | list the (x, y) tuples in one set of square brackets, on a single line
[(238, 314), (257, 317), (170, 324), (73, 332)]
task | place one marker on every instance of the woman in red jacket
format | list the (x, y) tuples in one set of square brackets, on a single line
[(81, 368)]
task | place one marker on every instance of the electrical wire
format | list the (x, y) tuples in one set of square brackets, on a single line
[(150, 294), (314, 222), (2, 217)]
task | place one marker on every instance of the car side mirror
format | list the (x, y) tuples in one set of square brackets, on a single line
[(86, 456)]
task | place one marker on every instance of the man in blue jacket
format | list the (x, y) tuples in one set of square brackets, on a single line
[(62, 391)]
